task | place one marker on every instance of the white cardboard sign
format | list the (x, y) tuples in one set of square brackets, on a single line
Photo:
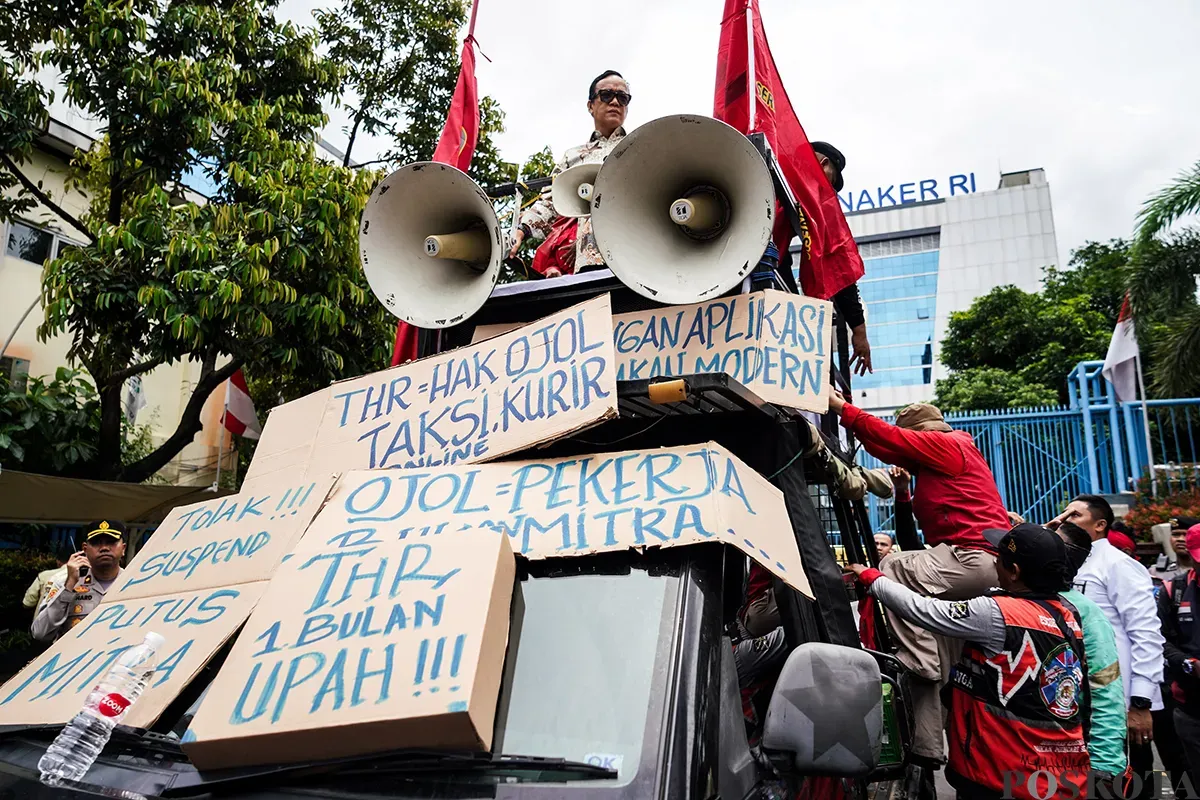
[(576, 506), (777, 344), (54, 686), (477, 403)]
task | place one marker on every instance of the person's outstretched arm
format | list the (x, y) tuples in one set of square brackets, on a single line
[(978, 620)]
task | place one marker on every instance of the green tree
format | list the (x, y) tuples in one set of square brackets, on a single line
[(1014, 348), (989, 387), (25, 25), (1174, 201), (1162, 289), (50, 426), (1098, 272), (265, 275), (402, 62)]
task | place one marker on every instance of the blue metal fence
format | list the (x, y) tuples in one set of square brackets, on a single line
[(1041, 457)]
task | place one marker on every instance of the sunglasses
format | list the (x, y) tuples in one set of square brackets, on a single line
[(608, 95)]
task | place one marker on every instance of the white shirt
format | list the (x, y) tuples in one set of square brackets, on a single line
[(1122, 588)]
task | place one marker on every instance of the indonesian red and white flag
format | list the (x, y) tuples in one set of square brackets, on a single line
[(239, 416), (1120, 365)]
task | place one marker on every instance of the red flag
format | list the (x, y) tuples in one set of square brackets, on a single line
[(831, 261), (456, 148), (461, 134)]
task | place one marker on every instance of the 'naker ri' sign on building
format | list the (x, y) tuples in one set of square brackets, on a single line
[(930, 248)]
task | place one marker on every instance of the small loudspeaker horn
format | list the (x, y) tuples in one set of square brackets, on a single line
[(571, 192), (683, 209), (430, 245)]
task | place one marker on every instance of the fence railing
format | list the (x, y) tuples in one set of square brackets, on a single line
[(1042, 457)]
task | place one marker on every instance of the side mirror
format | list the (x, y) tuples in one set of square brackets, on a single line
[(827, 711)]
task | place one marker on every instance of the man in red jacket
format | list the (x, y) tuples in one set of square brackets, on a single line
[(955, 501)]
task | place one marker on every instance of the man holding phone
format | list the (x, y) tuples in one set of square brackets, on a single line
[(90, 573)]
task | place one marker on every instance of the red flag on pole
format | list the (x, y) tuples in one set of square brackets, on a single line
[(461, 133), (456, 148), (745, 67)]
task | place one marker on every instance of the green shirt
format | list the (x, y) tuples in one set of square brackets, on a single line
[(1106, 742)]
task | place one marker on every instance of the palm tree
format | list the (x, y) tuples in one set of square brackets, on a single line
[(1162, 286), (1175, 200)]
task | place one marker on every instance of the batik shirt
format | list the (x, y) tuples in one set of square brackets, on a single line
[(541, 215)]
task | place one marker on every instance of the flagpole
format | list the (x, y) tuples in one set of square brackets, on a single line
[(751, 78), (221, 440), (471, 27), (1137, 359)]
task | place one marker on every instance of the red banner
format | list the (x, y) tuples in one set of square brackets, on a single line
[(831, 261), (456, 148)]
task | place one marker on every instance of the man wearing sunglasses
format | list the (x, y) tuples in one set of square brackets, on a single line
[(571, 248)]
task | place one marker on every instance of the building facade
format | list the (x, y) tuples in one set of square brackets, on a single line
[(36, 238), (933, 255)]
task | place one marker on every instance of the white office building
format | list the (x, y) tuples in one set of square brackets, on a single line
[(930, 251)]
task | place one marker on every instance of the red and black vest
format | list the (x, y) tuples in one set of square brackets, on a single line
[(1023, 710)]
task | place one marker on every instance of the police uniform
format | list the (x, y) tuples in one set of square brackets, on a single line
[(62, 608)]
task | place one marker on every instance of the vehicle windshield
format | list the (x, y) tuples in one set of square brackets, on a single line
[(581, 680), (588, 638)]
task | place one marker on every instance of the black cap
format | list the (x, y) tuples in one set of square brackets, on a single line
[(102, 527), (1039, 552), (1183, 523), (836, 157)]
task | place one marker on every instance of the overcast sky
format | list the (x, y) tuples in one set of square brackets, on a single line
[(1104, 94)]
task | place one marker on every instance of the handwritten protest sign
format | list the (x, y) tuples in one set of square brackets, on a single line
[(53, 687), (287, 439), (480, 402), (777, 344), (577, 506), (222, 542), (364, 643)]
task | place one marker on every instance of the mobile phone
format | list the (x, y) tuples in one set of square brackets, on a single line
[(83, 571)]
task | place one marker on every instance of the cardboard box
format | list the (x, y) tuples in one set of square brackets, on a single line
[(364, 644), (778, 345), (577, 506), (223, 542), (477, 403), (53, 687)]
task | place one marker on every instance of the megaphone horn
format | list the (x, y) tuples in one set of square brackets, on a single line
[(572, 190), (430, 245), (702, 214), (683, 209)]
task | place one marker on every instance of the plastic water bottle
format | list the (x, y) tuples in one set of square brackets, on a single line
[(75, 750)]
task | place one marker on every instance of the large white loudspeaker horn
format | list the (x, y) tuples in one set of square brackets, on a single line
[(430, 245), (683, 209), (571, 192)]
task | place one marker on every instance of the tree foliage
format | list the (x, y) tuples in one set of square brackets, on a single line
[(401, 60), (1162, 289), (990, 387), (1038, 337), (50, 425), (265, 274), (1174, 201), (1015, 348)]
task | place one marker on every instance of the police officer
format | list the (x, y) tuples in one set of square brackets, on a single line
[(90, 573)]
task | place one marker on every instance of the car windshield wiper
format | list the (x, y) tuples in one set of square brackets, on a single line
[(399, 763)]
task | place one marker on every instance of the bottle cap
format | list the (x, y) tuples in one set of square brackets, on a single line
[(155, 640)]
